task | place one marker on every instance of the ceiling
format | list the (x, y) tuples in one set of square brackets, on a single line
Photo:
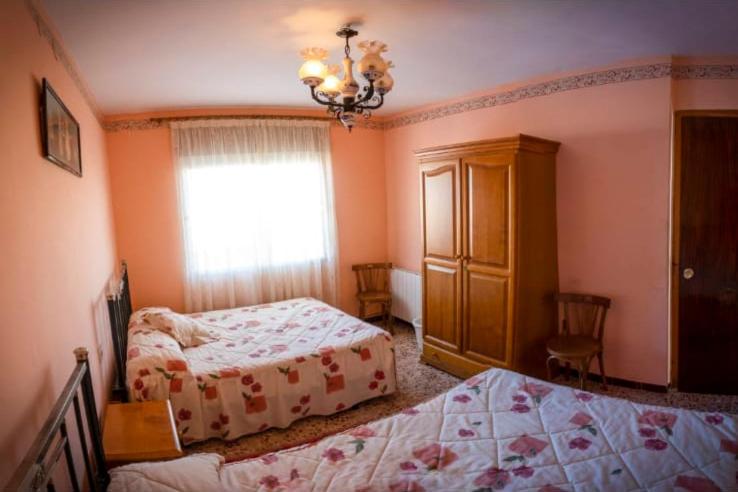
[(146, 55)]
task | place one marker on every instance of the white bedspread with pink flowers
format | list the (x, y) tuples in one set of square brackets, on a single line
[(270, 365), (497, 431)]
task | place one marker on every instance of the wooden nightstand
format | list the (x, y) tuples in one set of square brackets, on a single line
[(142, 431)]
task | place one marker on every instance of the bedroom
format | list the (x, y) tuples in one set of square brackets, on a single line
[(159, 89)]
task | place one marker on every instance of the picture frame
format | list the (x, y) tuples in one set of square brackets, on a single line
[(60, 132)]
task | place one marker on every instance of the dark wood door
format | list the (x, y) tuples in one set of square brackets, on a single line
[(441, 214), (487, 272), (708, 255)]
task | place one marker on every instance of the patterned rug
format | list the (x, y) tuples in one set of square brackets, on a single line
[(417, 383)]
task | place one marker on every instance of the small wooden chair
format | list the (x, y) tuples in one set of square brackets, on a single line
[(373, 283), (580, 334)]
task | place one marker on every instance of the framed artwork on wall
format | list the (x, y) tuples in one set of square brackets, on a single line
[(59, 132)]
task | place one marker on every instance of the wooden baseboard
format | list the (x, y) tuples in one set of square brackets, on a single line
[(627, 383)]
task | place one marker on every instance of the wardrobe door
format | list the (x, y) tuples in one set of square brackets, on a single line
[(441, 215), (488, 232)]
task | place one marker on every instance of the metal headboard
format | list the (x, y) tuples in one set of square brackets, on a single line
[(37, 468), (119, 309)]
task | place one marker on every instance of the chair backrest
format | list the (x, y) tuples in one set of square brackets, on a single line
[(582, 314), (372, 277)]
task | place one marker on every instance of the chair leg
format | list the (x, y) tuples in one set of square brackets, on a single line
[(362, 310), (583, 373), (602, 371), (548, 367), (390, 326)]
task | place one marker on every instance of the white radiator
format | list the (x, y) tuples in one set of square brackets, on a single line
[(406, 293)]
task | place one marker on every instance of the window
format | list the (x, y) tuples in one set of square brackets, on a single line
[(256, 205), (238, 216)]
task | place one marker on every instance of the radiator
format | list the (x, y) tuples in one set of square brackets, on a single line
[(406, 288)]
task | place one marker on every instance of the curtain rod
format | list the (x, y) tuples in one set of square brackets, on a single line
[(166, 119), (158, 122)]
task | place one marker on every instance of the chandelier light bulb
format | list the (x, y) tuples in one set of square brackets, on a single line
[(313, 71), (331, 86)]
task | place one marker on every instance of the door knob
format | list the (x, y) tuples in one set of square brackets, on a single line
[(688, 273)]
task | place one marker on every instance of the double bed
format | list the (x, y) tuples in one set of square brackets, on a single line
[(499, 430), (268, 366), (261, 366)]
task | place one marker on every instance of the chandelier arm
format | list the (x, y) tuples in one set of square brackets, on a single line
[(374, 106), (321, 101), (369, 94)]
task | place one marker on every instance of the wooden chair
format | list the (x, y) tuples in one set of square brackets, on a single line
[(580, 334), (373, 285)]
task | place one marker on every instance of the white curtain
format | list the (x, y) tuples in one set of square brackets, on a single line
[(256, 204)]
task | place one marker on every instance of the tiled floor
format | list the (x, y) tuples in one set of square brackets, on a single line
[(417, 383)]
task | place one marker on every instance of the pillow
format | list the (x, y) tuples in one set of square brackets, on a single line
[(137, 317), (187, 331)]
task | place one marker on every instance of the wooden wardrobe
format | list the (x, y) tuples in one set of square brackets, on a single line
[(489, 254)]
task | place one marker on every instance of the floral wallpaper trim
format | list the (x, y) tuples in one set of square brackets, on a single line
[(46, 32), (573, 82), (581, 81)]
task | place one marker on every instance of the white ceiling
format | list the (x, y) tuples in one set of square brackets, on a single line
[(144, 55)]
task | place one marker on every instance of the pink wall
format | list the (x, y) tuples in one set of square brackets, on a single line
[(56, 243), (612, 192), (705, 94), (146, 215), (613, 197)]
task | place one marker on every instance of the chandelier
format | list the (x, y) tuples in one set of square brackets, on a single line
[(343, 97)]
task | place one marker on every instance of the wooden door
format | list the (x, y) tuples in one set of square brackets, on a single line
[(440, 188), (488, 232), (708, 254)]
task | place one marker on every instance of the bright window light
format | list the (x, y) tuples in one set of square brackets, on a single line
[(238, 216)]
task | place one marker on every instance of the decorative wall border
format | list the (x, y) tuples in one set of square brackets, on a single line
[(46, 32), (549, 87), (582, 81)]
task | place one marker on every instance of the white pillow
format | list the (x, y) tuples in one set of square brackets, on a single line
[(187, 331)]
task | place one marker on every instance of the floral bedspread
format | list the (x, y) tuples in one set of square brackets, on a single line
[(497, 431), (271, 365)]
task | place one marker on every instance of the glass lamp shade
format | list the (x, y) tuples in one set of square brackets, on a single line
[(372, 66), (331, 86), (385, 84), (313, 72)]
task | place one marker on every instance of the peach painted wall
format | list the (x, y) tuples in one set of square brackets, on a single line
[(146, 210), (56, 243), (612, 202), (705, 94)]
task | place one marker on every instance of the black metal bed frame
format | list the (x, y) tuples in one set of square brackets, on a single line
[(119, 310), (35, 471)]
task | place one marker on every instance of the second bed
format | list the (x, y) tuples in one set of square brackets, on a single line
[(266, 366)]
